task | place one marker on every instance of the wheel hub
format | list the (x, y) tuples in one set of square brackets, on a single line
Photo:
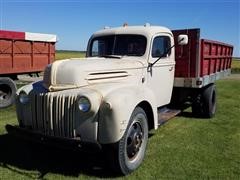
[(3, 95), (5, 92), (134, 140)]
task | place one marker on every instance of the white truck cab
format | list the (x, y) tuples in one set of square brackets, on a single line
[(110, 98)]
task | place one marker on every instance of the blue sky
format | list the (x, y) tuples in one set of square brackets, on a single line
[(74, 21)]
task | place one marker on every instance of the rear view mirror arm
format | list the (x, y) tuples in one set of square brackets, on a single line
[(163, 55)]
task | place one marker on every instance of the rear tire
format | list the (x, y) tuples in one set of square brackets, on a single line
[(205, 103), (126, 155), (7, 92)]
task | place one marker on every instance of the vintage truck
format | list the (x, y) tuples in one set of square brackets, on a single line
[(22, 53), (132, 80)]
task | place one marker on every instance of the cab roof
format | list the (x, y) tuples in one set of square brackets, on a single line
[(146, 30)]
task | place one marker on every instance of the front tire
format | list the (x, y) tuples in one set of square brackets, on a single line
[(129, 152)]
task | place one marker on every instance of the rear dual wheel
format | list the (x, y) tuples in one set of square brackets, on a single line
[(204, 104)]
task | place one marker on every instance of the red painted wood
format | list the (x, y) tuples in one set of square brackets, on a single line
[(216, 56), (200, 57), (12, 35), (18, 56), (187, 55)]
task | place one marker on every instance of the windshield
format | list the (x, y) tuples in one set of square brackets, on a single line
[(122, 45)]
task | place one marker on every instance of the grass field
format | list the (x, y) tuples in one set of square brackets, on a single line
[(69, 54), (236, 66), (183, 148)]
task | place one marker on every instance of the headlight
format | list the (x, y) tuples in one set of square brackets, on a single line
[(84, 104), (23, 97)]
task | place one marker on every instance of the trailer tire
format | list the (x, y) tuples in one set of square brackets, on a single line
[(126, 155), (204, 105), (7, 92)]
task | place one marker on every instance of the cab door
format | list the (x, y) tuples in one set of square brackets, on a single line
[(160, 76)]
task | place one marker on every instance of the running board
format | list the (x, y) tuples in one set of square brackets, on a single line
[(164, 114)]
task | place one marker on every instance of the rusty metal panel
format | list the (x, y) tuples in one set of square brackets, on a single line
[(5, 63), (5, 46), (5, 55), (18, 56), (40, 48), (22, 62), (40, 60), (22, 47)]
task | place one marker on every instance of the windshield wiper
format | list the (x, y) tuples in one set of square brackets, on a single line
[(111, 56)]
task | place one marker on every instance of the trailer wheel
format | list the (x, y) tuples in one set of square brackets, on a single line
[(7, 92), (127, 155), (204, 104)]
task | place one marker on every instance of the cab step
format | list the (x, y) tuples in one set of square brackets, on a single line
[(164, 114)]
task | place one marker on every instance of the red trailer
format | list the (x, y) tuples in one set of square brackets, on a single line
[(198, 65), (22, 53)]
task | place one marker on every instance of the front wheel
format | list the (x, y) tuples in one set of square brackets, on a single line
[(129, 152)]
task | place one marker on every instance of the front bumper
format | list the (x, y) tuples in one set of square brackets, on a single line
[(52, 140)]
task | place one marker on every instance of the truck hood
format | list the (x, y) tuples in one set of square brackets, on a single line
[(73, 73)]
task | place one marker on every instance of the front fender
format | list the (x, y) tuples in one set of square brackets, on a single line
[(116, 110)]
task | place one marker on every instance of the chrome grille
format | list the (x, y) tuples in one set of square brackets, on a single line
[(53, 114)]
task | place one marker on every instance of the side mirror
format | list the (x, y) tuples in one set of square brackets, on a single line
[(182, 39)]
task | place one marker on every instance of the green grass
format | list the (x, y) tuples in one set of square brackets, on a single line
[(236, 66), (7, 115), (184, 148), (60, 54)]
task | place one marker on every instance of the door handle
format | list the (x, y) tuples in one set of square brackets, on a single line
[(171, 68)]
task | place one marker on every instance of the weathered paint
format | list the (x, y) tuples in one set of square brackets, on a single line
[(22, 52), (115, 86)]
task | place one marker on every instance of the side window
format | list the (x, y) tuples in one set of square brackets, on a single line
[(98, 48), (160, 46), (95, 50), (101, 46)]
